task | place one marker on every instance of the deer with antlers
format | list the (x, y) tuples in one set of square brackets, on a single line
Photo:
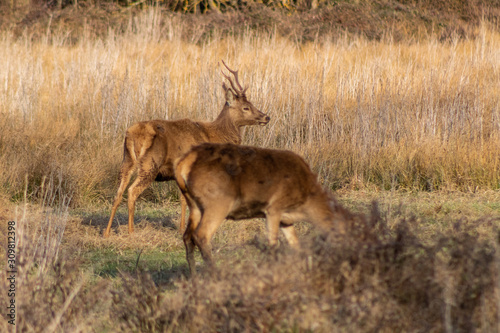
[(236, 182), (151, 147)]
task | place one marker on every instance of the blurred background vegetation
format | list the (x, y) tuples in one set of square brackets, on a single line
[(383, 95), (298, 19), (394, 102)]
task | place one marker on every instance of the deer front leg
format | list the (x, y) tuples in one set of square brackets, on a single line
[(290, 235), (273, 225)]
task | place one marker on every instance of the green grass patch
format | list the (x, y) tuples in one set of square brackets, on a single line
[(163, 266)]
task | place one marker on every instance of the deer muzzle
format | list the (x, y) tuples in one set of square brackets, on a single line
[(264, 121)]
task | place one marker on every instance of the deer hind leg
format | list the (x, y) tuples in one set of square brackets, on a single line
[(126, 171), (144, 178), (193, 222), (183, 212), (211, 219)]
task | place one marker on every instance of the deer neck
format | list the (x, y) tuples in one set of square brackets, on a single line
[(225, 129)]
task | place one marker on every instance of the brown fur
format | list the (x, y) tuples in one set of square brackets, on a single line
[(153, 146), (238, 182)]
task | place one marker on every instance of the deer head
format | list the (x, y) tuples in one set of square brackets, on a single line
[(242, 111)]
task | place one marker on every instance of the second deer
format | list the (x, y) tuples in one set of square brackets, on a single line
[(236, 182), (151, 147)]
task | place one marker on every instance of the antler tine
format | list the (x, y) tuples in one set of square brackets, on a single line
[(241, 90), (230, 81)]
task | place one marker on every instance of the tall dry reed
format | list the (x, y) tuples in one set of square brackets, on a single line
[(50, 291), (408, 115)]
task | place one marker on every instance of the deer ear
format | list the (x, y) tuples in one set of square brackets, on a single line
[(230, 96)]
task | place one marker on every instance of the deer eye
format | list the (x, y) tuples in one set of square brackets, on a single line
[(246, 109)]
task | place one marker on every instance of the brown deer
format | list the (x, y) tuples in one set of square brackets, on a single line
[(236, 182), (153, 146)]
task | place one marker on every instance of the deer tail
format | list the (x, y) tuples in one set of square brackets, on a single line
[(183, 169), (138, 139)]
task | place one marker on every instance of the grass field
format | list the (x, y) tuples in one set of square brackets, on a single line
[(413, 126), (421, 261)]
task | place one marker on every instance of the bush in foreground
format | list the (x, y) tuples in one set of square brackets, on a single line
[(379, 276), (374, 279)]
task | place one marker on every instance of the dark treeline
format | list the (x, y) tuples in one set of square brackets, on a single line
[(302, 20), (467, 9)]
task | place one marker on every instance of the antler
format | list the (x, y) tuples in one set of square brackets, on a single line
[(240, 90)]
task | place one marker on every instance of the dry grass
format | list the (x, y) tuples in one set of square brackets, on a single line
[(415, 116), (416, 262), (51, 292), (369, 115), (375, 279)]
